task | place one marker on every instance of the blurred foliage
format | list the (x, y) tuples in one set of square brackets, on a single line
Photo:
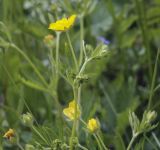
[(118, 83)]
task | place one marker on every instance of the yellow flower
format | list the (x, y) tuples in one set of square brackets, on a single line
[(70, 111), (93, 125), (64, 24), (9, 134)]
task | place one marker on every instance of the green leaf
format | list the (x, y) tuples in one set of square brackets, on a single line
[(33, 85), (126, 23)]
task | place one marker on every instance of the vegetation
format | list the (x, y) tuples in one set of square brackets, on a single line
[(79, 74)]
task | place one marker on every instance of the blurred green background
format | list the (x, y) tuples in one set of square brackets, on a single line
[(118, 83)]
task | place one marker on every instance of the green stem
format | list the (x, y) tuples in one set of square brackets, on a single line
[(153, 80), (72, 51), (81, 39), (82, 147), (84, 66), (101, 141), (30, 62), (77, 93), (83, 122), (156, 139), (156, 88), (56, 76), (99, 145), (150, 142), (74, 127), (19, 145), (57, 52), (132, 140), (79, 103), (57, 73)]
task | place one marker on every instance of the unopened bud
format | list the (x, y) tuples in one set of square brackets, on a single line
[(29, 147), (151, 115), (27, 119), (49, 40)]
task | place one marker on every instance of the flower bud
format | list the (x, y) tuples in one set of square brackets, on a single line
[(151, 115), (64, 146), (74, 141), (29, 147), (89, 49), (104, 51), (27, 119), (49, 40), (100, 51)]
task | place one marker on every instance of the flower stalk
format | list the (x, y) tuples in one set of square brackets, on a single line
[(101, 141), (81, 38), (132, 140), (98, 142), (75, 91), (72, 51)]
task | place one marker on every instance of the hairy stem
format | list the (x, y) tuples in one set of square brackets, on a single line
[(132, 140), (20, 146), (75, 91), (98, 142), (57, 53), (81, 39), (101, 141)]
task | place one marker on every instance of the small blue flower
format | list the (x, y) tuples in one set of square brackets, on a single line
[(103, 40)]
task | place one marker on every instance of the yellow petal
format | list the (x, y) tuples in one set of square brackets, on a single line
[(63, 24), (72, 103), (56, 27), (10, 133), (62, 21), (92, 125), (69, 113), (72, 19)]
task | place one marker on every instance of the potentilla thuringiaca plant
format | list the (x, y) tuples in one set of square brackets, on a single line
[(73, 111), (75, 77), (70, 118)]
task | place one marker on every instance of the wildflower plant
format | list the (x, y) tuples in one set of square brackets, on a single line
[(65, 66), (73, 112)]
